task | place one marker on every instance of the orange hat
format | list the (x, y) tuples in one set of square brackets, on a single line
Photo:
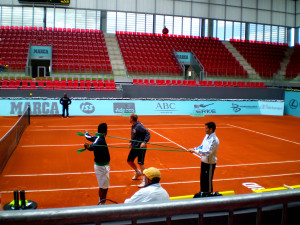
[(151, 173)]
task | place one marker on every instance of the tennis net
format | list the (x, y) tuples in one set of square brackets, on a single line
[(10, 140)]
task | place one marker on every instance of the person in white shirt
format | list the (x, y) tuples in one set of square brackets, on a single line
[(208, 151), (152, 191)]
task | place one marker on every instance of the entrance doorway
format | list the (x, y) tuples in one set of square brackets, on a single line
[(40, 68), (41, 71)]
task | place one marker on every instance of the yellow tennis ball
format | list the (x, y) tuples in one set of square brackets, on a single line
[(30, 94)]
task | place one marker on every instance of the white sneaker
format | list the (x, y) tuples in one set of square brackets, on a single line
[(137, 175), (141, 185)]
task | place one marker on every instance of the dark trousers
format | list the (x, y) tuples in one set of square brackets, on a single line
[(65, 108), (206, 177)]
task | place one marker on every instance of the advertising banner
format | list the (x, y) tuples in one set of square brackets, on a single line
[(41, 51), (142, 107), (292, 103), (184, 57)]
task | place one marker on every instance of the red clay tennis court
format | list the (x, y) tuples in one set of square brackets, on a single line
[(261, 150)]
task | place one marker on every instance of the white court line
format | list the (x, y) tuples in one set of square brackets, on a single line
[(172, 128), (282, 139), (255, 164), (172, 168), (116, 125), (172, 142), (166, 183), (158, 128), (68, 145), (255, 177)]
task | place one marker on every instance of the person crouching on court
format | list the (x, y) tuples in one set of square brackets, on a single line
[(152, 191), (208, 151), (139, 137), (102, 160)]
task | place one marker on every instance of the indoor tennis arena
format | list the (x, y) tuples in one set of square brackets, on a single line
[(68, 67)]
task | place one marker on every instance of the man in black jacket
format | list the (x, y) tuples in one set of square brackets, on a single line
[(139, 136), (102, 159), (65, 101)]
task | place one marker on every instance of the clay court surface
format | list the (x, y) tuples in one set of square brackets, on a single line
[(264, 150)]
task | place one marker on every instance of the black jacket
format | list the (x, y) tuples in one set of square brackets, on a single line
[(101, 153), (65, 101), (139, 133)]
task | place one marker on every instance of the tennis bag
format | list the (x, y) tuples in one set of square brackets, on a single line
[(206, 194)]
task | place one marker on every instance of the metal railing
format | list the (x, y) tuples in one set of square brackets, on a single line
[(179, 63), (234, 208)]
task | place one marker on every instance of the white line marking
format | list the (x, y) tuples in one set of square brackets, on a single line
[(81, 144), (173, 142), (255, 164), (160, 128), (264, 134), (129, 126), (172, 128), (254, 177), (166, 183), (172, 168), (62, 174)]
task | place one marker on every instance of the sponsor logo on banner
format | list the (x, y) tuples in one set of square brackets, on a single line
[(124, 107), (271, 107), (202, 108), (165, 107), (36, 108), (293, 104), (87, 107), (237, 108)]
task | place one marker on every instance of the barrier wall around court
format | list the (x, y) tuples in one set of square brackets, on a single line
[(93, 107), (292, 103), (279, 207)]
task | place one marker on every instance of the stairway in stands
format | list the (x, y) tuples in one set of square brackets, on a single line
[(116, 59), (251, 72)]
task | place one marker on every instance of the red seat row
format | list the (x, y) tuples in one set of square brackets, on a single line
[(293, 68), (20, 28), (200, 83), (264, 58), (144, 50), (88, 44), (58, 85)]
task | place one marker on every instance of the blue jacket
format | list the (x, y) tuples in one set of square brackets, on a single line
[(139, 133)]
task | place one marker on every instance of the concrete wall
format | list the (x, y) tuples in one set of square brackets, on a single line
[(172, 92), (276, 12), (131, 91)]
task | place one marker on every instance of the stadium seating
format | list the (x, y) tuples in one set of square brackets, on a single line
[(264, 57), (58, 84), (160, 82), (73, 50), (151, 54), (293, 68), (143, 56)]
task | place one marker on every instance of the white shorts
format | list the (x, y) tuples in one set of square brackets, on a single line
[(102, 174)]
